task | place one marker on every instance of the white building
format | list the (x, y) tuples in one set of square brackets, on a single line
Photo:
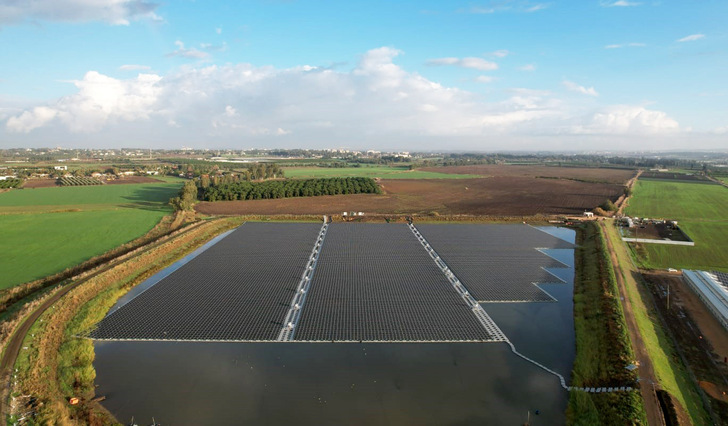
[(712, 288)]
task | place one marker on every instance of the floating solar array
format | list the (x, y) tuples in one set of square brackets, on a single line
[(497, 263), (362, 282), (239, 289), (375, 282)]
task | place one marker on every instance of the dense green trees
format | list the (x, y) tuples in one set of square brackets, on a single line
[(289, 188), (187, 197)]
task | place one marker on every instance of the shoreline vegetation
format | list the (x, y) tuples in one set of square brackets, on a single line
[(603, 347), (57, 363)]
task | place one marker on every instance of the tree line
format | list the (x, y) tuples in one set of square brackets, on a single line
[(245, 190)]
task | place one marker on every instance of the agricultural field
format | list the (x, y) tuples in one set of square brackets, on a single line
[(79, 181), (46, 230), (686, 177), (10, 183), (498, 195), (700, 210), (581, 174), (382, 172)]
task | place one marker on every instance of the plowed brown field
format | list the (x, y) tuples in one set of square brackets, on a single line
[(589, 174), (501, 195)]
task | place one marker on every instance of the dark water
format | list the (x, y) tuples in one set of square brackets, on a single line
[(344, 383), (324, 384)]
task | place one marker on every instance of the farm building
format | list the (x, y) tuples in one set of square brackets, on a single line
[(712, 288)]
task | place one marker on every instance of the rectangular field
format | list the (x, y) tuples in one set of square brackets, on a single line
[(497, 263), (375, 282), (700, 210), (239, 289), (46, 230), (382, 172)]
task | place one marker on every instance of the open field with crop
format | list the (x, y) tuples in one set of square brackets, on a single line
[(584, 174), (382, 172), (484, 196), (46, 230), (700, 210)]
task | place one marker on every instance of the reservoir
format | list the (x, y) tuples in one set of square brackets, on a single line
[(458, 383)]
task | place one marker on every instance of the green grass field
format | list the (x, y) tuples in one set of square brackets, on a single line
[(383, 172), (701, 210), (47, 230)]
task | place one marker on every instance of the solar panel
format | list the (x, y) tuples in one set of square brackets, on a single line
[(375, 282), (497, 263), (238, 289)]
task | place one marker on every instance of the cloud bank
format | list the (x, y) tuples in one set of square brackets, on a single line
[(375, 104), (115, 12)]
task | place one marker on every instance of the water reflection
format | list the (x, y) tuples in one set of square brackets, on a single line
[(332, 384)]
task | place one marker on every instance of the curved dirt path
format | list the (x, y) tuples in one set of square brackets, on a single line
[(630, 185), (15, 342), (646, 373)]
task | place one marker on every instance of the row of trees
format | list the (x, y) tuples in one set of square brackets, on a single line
[(186, 198), (290, 188), (10, 183)]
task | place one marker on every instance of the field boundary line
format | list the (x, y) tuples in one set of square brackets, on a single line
[(299, 298)]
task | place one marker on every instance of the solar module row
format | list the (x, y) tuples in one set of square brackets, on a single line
[(238, 289), (374, 282), (497, 263)]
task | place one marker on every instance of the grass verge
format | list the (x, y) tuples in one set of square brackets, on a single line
[(603, 348), (55, 365), (671, 373)]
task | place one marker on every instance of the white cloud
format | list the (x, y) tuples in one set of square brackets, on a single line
[(484, 79), (30, 120), (619, 46), (537, 7), (570, 85), (527, 67), (190, 53), (100, 99), (469, 62), (692, 37), (115, 12), (501, 53), (517, 6), (218, 30), (619, 3), (134, 67), (377, 104), (628, 120)]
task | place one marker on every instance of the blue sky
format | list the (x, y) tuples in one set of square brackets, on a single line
[(475, 75)]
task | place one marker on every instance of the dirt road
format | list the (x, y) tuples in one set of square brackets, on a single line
[(630, 185), (648, 380), (14, 344)]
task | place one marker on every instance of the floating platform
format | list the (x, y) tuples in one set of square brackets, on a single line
[(237, 290), (497, 263), (342, 282)]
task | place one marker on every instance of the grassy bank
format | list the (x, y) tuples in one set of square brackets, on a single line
[(56, 364), (603, 348), (671, 373)]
